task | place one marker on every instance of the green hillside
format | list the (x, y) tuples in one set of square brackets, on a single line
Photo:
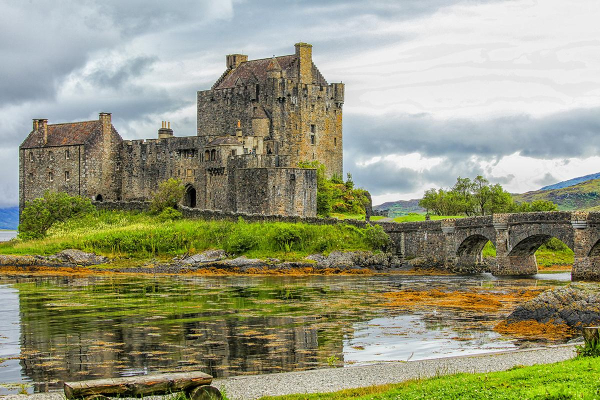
[(583, 196), (401, 207)]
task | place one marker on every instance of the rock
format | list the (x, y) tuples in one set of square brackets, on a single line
[(205, 257), (574, 306), (355, 259), (77, 257), (243, 262)]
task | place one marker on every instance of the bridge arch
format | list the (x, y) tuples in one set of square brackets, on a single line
[(469, 253)]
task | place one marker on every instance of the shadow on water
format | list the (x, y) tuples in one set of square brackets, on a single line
[(69, 328)]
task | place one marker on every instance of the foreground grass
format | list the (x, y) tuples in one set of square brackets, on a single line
[(139, 235), (573, 379)]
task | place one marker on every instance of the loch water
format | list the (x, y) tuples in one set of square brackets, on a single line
[(65, 328)]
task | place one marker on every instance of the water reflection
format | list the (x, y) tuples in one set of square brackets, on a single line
[(80, 328)]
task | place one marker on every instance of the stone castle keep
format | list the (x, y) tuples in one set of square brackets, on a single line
[(257, 122)]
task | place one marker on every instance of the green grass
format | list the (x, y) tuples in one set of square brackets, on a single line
[(544, 256), (572, 379), (125, 234), (413, 217)]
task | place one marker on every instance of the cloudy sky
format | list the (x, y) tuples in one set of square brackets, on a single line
[(435, 89)]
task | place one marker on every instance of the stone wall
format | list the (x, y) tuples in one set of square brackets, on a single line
[(58, 169)]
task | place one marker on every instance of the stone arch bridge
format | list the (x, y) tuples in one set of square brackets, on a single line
[(456, 244)]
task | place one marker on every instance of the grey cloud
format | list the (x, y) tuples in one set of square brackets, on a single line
[(546, 180), (569, 134), (457, 141), (116, 76)]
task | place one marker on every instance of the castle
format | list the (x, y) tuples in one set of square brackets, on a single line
[(257, 122)]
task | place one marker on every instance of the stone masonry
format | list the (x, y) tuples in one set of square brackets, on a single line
[(457, 244), (257, 122)]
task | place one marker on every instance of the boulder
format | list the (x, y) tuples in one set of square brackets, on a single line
[(574, 306), (205, 257), (77, 257)]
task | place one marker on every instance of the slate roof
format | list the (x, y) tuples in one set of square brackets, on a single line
[(255, 71), (73, 133), (224, 140)]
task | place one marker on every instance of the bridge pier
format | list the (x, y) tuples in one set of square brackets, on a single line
[(508, 264), (587, 247)]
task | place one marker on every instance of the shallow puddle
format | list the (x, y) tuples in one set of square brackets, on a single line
[(57, 329)]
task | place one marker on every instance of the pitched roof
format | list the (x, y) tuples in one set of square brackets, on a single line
[(72, 133), (255, 71)]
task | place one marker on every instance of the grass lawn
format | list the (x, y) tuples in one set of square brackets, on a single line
[(143, 236), (413, 217), (574, 379)]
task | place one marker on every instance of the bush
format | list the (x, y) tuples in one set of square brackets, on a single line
[(377, 238), (168, 195), (286, 236), (41, 213), (240, 242), (169, 214)]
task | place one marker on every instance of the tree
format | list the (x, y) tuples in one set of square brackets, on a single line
[(169, 194), (40, 214)]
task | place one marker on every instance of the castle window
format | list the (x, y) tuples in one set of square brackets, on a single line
[(207, 155), (31, 178), (50, 177), (213, 155), (233, 152), (67, 176), (118, 166), (31, 156), (313, 129), (335, 141), (312, 139), (67, 154)]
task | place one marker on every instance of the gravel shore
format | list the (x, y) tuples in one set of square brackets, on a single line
[(329, 380)]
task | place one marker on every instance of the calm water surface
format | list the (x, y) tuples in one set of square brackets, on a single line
[(5, 236), (54, 329)]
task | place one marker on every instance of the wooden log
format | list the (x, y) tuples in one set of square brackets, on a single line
[(137, 386), (591, 335)]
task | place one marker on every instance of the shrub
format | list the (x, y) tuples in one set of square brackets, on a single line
[(169, 214), (286, 236), (41, 213), (169, 193), (240, 241), (377, 238)]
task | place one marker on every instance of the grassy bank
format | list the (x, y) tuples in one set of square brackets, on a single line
[(125, 234), (573, 379)]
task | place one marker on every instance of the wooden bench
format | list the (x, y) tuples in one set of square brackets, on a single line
[(196, 385)]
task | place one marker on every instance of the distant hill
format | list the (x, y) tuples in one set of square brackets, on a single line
[(400, 207), (580, 196), (9, 218), (572, 182)]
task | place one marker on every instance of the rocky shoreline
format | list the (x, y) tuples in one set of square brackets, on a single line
[(218, 260)]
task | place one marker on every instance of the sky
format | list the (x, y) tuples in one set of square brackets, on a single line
[(435, 89)]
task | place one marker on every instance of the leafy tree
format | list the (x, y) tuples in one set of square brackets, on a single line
[(41, 213), (169, 194), (335, 195), (536, 205)]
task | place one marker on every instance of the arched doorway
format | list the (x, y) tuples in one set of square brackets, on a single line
[(99, 197), (190, 196)]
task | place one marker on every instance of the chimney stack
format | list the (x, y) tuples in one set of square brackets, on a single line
[(238, 131), (35, 125), (304, 54), (165, 131), (43, 126), (233, 60)]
